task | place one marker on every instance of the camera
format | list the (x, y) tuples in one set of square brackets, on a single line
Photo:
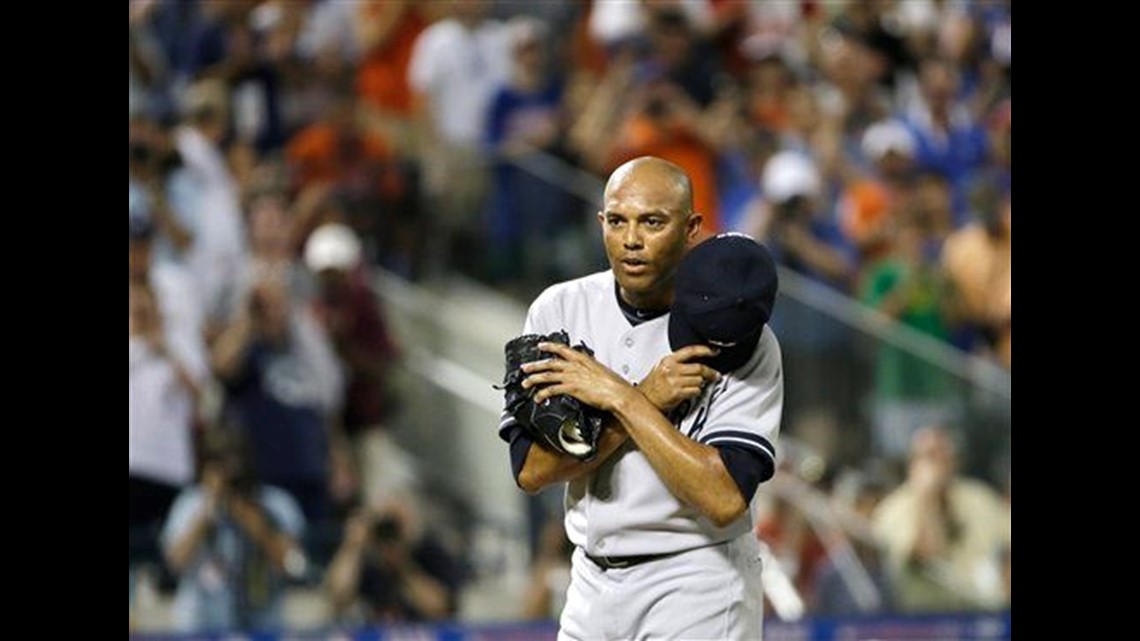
[(140, 152), (242, 481), (146, 155), (387, 530)]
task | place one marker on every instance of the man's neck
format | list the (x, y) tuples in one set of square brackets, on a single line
[(646, 308)]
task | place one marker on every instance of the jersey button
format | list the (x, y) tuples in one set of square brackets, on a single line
[(625, 369), (629, 341), (602, 544)]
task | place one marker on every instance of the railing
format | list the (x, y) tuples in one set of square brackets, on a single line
[(978, 371)]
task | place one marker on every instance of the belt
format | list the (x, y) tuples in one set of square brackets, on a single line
[(619, 562)]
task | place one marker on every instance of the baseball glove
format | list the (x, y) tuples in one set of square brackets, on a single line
[(562, 422)]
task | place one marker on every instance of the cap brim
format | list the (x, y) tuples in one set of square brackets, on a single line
[(682, 334)]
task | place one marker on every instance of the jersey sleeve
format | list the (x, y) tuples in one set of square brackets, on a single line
[(537, 322), (747, 466), (746, 412)]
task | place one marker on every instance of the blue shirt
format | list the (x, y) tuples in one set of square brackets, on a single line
[(227, 585)]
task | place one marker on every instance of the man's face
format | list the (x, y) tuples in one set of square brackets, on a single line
[(269, 225), (646, 227), (932, 453)]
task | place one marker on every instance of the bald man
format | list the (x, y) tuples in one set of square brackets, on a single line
[(660, 517)]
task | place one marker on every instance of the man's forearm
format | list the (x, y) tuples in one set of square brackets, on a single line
[(545, 467), (693, 472)]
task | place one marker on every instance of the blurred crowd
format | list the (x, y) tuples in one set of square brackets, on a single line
[(281, 150)]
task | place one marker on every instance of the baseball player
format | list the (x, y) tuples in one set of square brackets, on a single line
[(660, 516)]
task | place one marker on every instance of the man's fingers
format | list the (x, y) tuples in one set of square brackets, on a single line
[(565, 351), (550, 392), (695, 383), (693, 352), (691, 369), (678, 382), (691, 392), (698, 371), (539, 378), (543, 365)]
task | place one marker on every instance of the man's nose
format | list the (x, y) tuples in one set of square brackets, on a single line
[(632, 238)]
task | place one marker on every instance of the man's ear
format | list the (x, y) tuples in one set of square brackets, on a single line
[(693, 226)]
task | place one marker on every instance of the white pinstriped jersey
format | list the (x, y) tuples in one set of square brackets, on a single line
[(624, 508)]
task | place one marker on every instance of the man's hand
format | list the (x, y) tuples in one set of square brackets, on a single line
[(577, 375), (215, 493), (248, 513), (930, 476), (357, 528), (676, 378)]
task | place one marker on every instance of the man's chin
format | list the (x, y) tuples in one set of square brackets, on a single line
[(637, 287), (635, 283)]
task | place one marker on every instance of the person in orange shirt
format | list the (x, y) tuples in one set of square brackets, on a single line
[(386, 31), (869, 205), (667, 126), (334, 148)]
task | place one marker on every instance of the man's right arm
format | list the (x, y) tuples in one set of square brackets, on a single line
[(343, 576), (542, 467), (534, 465), (537, 467)]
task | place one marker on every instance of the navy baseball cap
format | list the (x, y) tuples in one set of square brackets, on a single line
[(724, 291)]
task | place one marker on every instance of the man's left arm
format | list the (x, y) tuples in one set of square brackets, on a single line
[(695, 472)]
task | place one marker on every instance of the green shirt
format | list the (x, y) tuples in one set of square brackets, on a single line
[(900, 374)]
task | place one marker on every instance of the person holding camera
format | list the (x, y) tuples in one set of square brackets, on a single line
[(791, 218), (795, 226), (233, 543), (392, 569), (284, 388)]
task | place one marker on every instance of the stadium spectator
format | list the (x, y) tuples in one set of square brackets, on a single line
[(457, 64), (167, 369), (392, 567), (233, 542), (349, 311), (284, 388), (943, 535)]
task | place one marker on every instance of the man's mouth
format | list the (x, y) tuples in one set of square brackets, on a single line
[(634, 265)]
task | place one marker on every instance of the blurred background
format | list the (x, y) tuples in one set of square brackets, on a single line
[(339, 211)]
